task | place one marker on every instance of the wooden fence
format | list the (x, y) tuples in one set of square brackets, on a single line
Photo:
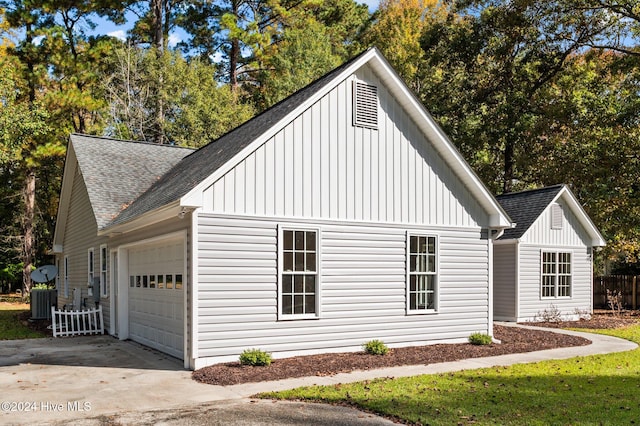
[(76, 323), (625, 284)]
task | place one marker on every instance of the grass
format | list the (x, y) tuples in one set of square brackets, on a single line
[(10, 326), (593, 390)]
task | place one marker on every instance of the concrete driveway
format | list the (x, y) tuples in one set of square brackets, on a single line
[(101, 380)]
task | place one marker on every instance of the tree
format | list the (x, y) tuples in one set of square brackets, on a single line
[(22, 125), (197, 108), (397, 30)]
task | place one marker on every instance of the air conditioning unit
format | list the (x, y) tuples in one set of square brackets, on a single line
[(41, 303)]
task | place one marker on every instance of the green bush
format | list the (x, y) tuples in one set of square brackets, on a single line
[(375, 347), (255, 357), (480, 339)]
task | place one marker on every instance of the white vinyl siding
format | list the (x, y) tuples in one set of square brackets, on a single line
[(321, 167), (363, 281), (505, 282), (532, 303), (80, 236)]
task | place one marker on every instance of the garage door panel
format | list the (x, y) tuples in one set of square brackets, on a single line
[(156, 302)]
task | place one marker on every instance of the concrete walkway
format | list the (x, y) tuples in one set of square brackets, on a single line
[(84, 379)]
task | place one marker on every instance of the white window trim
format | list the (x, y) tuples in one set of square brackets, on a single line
[(66, 276), (557, 274), (299, 227), (58, 280), (436, 301), (91, 266), (104, 273)]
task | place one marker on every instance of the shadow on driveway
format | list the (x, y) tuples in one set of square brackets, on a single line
[(85, 351)]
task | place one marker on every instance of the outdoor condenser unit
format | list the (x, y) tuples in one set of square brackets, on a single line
[(41, 302)]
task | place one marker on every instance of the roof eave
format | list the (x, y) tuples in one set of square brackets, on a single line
[(149, 218), (597, 240)]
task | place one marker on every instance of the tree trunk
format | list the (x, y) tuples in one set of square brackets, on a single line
[(507, 179), (158, 46), (27, 228), (234, 53)]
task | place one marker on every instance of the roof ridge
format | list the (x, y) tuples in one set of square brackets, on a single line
[(109, 138)]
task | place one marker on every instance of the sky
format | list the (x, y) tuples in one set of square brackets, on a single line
[(106, 27)]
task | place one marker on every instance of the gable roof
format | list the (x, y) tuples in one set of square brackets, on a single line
[(526, 207), (184, 183), (115, 173)]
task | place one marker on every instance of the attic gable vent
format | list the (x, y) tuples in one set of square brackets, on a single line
[(365, 111), (556, 216)]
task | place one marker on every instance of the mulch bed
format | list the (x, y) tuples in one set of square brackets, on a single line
[(514, 340)]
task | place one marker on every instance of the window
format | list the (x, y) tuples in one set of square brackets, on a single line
[(90, 266), (103, 271), (422, 273), (365, 108), (556, 216), (58, 281), (556, 274), (66, 276), (299, 296)]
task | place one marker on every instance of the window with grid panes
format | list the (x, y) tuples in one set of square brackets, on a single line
[(556, 274), (299, 280), (422, 273)]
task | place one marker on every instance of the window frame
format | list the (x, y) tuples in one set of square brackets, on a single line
[(91, 266), (66, 275), (435, 274), (281, 272), (557, 274), (104, 265)]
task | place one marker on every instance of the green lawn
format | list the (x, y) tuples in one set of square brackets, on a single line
[(602, 390), (10, 327)]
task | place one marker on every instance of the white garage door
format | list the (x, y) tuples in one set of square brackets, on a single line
[(156, 296)]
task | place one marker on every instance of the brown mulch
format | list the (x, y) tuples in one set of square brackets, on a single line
[(513, 340)]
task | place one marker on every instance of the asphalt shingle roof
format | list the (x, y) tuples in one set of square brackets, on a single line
[(116, 172), (196, 167), (525, 207)]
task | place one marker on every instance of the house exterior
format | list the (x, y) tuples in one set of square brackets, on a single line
[(545, 263), (340, 215)]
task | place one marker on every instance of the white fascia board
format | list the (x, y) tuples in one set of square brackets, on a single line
[(597, 240), (70, 167), (193, 198), (498, 218), (146, 219)]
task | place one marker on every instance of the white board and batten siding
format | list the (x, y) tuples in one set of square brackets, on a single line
[(363, 189), (322, 167), (572, 238), (362, 290)]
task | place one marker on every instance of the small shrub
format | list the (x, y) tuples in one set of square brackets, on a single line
[(614, 300), (583, 314), (375, 347), (255, 357), (550, 314), (480, 339)]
